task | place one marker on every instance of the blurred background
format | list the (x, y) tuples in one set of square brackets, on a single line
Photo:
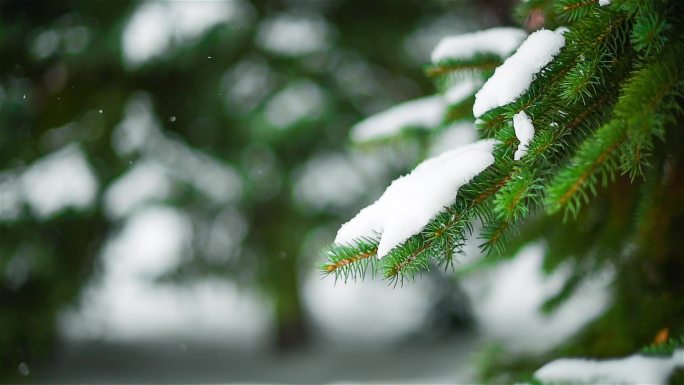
[(170, 171)]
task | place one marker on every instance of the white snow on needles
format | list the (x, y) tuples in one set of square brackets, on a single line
[(411, 201), (524, 131), (635, 369), (426, 112), (500, 41), (514, 76)]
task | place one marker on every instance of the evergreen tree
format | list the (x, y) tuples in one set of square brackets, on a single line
[(586, 118)]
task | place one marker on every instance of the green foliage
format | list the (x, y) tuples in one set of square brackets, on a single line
[(581, 81), (596, 109), (595, 161), (648, 34), (352, 261), (574, 10), (514, 201), (601, 184)]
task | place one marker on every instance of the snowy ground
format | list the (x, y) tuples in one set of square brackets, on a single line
[(364, 332), (430, 360)]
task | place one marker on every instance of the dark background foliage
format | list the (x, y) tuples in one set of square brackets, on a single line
[(77, 92)]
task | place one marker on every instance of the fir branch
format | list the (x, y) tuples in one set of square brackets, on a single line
[(596, 32), (649, 31), (333, 266), (581, 81), (495, 236), (490, 122), (657, 85), (568, 100), (398, 270), (573, 10), (571, 5), (515, 199), (593, 107), (649, 101), (650, 215), (596, 156), (619, 20), (458, 222), (351, 260)]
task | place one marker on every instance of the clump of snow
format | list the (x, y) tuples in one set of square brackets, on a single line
[(635, 369), (604, 2), (409, 203), (524, 131), (500, 41), (426, 112), (561, 30), (461, 90), (514, 76)]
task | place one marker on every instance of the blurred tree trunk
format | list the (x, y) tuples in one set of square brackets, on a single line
[(278, 231)]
